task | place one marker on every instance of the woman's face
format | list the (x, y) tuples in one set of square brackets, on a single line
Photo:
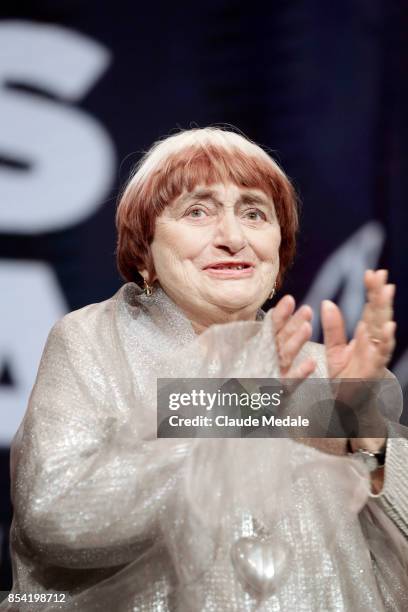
[(216, 252)]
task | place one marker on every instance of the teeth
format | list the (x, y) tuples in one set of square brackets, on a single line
[(229, 267)]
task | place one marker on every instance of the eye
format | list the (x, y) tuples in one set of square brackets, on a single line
[(254, 214), (196, 213)]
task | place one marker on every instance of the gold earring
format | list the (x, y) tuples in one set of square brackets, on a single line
[(148, 289), (272, 293)]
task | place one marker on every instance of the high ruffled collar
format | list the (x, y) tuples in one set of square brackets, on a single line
[(162, 308)]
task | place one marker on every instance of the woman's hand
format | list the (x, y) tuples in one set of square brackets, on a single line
[(292, 331), (369, 352)]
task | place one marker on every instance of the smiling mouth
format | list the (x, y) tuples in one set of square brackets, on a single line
[(230, 270), (231, 266)]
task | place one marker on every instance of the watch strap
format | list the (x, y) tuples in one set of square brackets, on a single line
[(373, 460)]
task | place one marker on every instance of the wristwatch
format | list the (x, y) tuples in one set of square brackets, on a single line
[(372, 460)]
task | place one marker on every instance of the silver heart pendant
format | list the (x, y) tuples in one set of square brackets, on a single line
[(260, 564)]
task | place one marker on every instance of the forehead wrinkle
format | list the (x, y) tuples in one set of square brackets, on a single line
[(255, 198), (203, 194)]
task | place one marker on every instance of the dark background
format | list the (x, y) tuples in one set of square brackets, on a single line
[(322, 84)]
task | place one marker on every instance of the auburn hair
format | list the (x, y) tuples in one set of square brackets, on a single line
[(182, 162)]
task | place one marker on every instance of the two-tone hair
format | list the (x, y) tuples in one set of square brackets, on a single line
[(180, 163)]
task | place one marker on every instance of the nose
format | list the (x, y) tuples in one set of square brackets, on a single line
[(229, 234)]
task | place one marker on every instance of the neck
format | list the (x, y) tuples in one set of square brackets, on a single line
[(204, 314), (200, 323)]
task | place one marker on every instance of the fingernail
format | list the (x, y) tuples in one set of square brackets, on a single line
[(328, 304), (307, 309), (290, 303)]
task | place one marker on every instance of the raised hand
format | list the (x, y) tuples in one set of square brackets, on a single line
[(292, 330), (369, 352)]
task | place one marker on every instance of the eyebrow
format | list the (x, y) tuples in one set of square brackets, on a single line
[(209, 194)]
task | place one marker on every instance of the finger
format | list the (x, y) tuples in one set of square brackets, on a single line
[(375, 287), (369, 358), (385, 296), (369, 280), (379, 294), (389, 291), (363, 345), (368, 353), (288, 351), (374, 280), (334, 332), (387, 345), (382, 276), (282, 312), (301, 371), (379, 309), (382, 296), (390, 327), (303, 314)]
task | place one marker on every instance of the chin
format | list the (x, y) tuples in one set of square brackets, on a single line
[(235, 299)]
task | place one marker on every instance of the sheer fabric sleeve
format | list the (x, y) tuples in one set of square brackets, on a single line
[(87, 484), (393, 499)]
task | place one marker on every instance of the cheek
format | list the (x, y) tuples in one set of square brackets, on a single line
[(267, 246), (174, 244)]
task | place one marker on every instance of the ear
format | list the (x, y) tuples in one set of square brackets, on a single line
[(147, 271), (149, 275), (145, 274)]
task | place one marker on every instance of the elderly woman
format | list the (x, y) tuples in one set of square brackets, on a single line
[(107, 516)]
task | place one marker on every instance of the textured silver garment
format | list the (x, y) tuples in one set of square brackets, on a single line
[(126, 522)]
